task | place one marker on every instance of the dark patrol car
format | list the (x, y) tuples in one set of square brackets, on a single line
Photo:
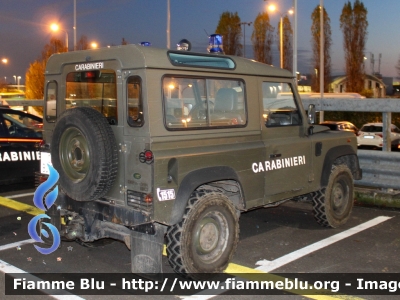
[(20, 138)]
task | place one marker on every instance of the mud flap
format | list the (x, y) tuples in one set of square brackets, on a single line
[(146, 252)]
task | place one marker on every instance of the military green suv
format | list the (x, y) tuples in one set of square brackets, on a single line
[(154, 145)]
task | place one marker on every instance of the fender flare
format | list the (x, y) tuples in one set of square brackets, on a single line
[(331, 156), (193, 180)]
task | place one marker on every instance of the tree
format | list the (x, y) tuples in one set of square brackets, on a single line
[(231, 30), (353, 22), (55, 46), (262, 38), (316, 46), (83, 43), (34, 77), (287, 44)]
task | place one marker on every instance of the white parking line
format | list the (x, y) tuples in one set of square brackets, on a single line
[(268, 266), (8, 268), (16, 244), (19, 195)]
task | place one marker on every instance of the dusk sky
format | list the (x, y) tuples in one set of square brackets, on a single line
[(24, 27)]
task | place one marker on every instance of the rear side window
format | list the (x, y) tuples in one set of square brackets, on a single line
[(200, 103), (96, 89), (50, 102), (134, 102), (280, 108)]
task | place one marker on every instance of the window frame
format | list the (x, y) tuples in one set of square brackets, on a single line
[(50, 118), (133, 123), (295, 102), (205, 78), (103, 109)]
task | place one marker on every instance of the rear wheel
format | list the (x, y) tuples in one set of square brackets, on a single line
[(206, 238), (332, 204)]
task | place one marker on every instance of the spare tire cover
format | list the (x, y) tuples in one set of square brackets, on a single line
[(85, 154)]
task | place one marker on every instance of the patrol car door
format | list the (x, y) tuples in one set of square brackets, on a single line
[(288, 150), (20, 137)]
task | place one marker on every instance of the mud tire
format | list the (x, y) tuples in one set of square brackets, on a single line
[(84, 152), (332, 204), (206, 238)]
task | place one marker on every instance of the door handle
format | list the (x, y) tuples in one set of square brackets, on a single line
[(275, 155)]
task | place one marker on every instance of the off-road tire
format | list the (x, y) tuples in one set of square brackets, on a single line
[(332, 204), (192, 246), (85, 153)]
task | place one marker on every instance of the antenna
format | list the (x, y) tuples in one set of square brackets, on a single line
[(206, 32)]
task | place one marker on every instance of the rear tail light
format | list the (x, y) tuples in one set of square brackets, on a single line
[(146, 157), (379, 134)]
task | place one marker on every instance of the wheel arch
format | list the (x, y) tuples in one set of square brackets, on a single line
[(344, 154), (195, 179)]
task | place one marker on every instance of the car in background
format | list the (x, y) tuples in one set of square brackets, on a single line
[(20, 140), (340, 126), (371, 135)]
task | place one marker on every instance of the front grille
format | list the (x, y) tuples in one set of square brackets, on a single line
[(136, 200)]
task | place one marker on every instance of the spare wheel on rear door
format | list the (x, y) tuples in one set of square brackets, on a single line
[(85, 154)]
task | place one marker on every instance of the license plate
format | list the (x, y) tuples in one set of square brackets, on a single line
[(369, 137), (45, 159)]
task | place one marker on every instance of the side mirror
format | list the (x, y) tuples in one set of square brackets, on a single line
[(311, 114)]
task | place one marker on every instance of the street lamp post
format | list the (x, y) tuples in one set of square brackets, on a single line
[(295, 39), (244, 35), (168, 25), (273, 8), (18, 79), (54, 27), (15, 79)]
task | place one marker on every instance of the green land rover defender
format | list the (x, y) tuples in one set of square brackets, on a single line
[(156, 146)]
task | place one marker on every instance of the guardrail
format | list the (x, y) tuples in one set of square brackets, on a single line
[(380, 169), (17, 102), (384, 105)]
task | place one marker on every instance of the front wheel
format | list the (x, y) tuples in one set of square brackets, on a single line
[(206, 238), (332, 204)]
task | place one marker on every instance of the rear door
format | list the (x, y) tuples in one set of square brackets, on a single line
[(288, 162), (20, 137)]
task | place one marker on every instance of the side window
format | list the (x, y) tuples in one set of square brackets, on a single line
[(50, 102), (96, 89), (280, 107), (21, 126), (134, 102), (199, 103)]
